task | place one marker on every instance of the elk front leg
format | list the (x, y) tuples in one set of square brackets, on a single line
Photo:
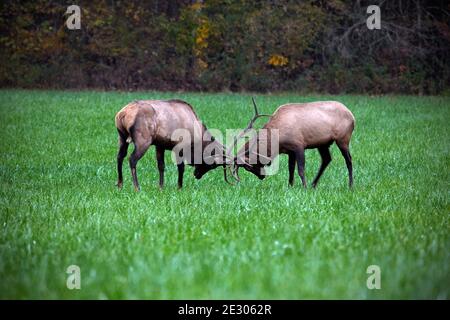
[(180, 175), (300, 158), (291, 168), (161, 165)]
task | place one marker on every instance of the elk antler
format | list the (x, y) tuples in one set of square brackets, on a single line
[(225, 176), (227, 166), (233, 170)]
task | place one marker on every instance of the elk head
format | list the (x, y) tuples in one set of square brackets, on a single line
[(218, 157), (231, 164), (212, 161)]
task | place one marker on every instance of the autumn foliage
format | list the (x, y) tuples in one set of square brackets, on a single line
[(216, 45)]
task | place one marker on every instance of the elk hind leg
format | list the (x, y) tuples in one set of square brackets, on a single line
[(141, 145), (300, 158), (123, 148), (326, 159), (345, 150)]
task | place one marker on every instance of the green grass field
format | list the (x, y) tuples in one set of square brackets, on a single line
[(259, 240)]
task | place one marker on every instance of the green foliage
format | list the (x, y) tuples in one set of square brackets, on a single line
[(259, 240), (225, 45)]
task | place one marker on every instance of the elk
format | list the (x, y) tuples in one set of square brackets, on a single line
[(300, 126), (153, 122)]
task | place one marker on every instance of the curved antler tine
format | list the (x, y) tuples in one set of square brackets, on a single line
[(226, 177), (257, 114), (227, 166), (249, 126), (254, 105), (235, 174), (234, 169)]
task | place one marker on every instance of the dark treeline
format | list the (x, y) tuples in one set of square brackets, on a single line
[(322, 46)]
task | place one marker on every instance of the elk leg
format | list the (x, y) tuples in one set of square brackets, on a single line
[(326, 159), (180, 175), (348, 161), (123, 148), (300, 158), (161, 165), (139, 151), (291, 168)]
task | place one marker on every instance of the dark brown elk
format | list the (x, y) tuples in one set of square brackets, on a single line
[(153, 122), (300, 126)]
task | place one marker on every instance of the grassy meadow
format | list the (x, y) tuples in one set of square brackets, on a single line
[(259, 240)]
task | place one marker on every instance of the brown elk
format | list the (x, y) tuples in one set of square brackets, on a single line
[(153, 122), (300, 126)]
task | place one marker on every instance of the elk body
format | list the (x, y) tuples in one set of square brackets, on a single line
[(302, 126), (153, 122)]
